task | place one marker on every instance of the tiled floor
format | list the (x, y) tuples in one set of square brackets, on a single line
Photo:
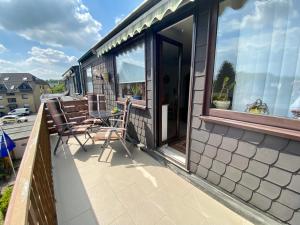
[(121, 191)]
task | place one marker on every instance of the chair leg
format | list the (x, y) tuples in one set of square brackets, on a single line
[(57, 143), (123, 142), (81, 145), (105, 144), (90, 137)]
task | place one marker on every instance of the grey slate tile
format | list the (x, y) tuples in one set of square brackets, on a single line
[(295, 219), (196, 122), (220, 129), (260, 201), (246, 149), (288, 161), (239, 162), (253, 137), (200, 135), (224, 156), (279, 176), (280, 211), (257, 168), (235, 133), (273, 142), (290, 199), (199, 83), (198, 97), (193, 167), (207, 126), (195, 157), (293, 148), (233, 174), (229, 143), (197, 146), (210, 151), (218, 167), (213, 177), (242, 192), (250, 181), (205, 161), (197, 109), (215, 139), (266, 155), (269, 190), (295, 183), (227, 184), (202, 171)]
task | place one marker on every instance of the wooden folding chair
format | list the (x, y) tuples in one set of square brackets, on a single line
[(119, 132), (64, 127)]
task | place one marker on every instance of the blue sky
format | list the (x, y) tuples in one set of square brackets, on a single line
[(46, 37)]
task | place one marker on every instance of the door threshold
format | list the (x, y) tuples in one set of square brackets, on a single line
[(173, 155)]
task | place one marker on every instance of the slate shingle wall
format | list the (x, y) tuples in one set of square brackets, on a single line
[(259, 169)]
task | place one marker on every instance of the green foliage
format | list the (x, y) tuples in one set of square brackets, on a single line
[(59, 88), (228, 71), (4, 200), (223, 95), (136, 90)]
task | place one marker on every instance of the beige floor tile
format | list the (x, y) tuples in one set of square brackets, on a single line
[(124, 219), (86, 218), (146, 213), (166, 221), (119, 190)]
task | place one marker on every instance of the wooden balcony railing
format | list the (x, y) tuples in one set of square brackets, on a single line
[(33, 200)]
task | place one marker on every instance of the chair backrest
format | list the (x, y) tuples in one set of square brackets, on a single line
[(57, 114), (126, 116), (96, 102)]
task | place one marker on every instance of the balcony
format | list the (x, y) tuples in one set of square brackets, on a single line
[(73, 187)]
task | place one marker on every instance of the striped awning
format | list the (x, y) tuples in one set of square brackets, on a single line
[(156, 13)]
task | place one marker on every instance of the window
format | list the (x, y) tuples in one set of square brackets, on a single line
[(257, 63), (10, 94), (2, 107), (1, 97), (130, 65), (24, 96), (11, 100), (89, 80)]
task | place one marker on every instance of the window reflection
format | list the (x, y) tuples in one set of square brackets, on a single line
[(257, 64), (130, 65)]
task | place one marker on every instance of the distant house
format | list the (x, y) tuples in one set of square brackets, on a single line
[(18, 90), (72, 81)]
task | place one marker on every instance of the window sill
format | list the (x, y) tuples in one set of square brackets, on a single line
[(276, 131), (139, 104)]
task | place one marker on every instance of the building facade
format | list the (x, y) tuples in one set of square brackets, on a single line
[(21, 90), (215, 89), (72, 80)]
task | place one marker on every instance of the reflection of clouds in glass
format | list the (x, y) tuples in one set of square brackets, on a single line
[(261, 40)]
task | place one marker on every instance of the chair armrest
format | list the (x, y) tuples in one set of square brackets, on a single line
[(65, 124)]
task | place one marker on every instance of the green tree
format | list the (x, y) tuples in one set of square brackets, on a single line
[(59, 88), (226, 70)]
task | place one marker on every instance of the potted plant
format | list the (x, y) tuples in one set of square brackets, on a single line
[(136, 91), (221, 100), (258, 107)]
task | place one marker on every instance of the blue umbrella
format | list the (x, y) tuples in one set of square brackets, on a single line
[(7, 145)]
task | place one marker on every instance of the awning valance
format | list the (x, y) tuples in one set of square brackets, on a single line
[(156, 13)]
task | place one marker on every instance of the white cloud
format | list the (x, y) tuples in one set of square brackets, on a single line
[(44, 63), (118, 19), (52, 22), (2, 48)]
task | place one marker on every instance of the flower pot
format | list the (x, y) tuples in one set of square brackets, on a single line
[(137, 97), (222, 104), (105, 76)]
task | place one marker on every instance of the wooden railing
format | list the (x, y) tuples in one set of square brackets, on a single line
[(32, 200)]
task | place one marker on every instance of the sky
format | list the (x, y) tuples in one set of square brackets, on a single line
[(46, 37)]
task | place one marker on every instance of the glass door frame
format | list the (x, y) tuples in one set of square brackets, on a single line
[(159, 40)]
